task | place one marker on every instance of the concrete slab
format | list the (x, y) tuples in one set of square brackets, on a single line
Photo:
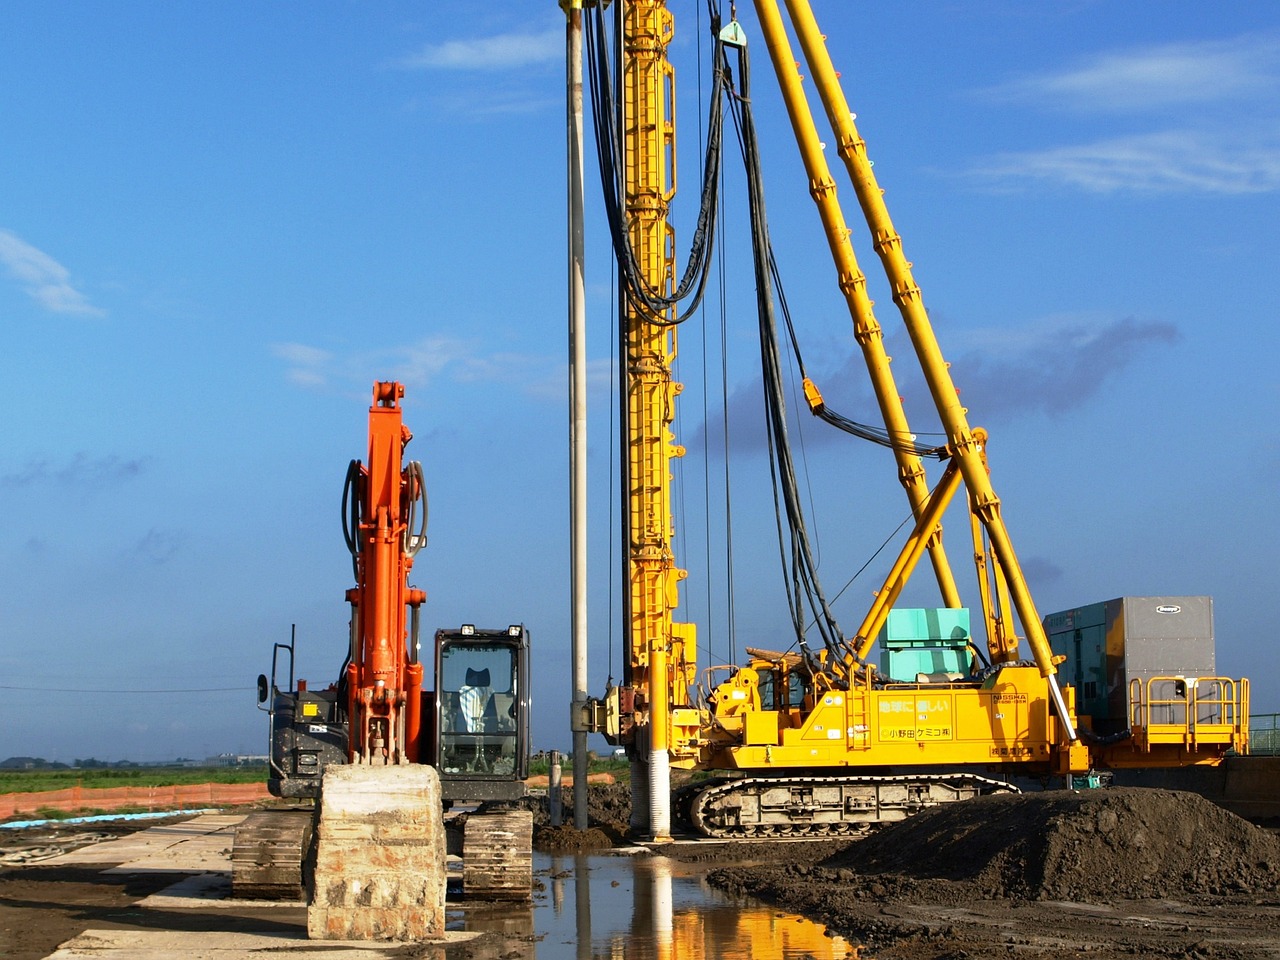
[(202, 846), (209, 890), (192, 846), (214, 945), (205, 846)]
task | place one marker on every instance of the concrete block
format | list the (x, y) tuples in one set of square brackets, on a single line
[(380, 865)]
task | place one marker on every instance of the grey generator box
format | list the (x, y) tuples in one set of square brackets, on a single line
[(1110, 644)]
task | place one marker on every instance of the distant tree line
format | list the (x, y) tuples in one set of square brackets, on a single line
[(92, 763)]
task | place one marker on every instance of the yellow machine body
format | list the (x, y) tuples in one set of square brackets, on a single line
[(780, 714)]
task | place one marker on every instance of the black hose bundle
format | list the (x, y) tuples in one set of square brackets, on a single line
[(651, 303)]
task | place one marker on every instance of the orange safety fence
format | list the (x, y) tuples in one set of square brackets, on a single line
[(543, 780), (149, 798)]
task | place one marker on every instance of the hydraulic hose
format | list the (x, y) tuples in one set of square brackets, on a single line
[(351, 515), (415, 511)]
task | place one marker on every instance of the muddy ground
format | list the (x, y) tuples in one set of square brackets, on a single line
[(40, 907), (1103, 874), (1106, 874)]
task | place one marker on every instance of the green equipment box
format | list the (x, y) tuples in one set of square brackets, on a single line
[(925, 643)]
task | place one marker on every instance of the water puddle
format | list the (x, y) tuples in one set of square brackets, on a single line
[(645, 908)]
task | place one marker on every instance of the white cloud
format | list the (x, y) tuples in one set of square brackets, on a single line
[(418, 365), (1185, 161), (477, 106), (1175, 74), (45, 280), (1225, 139), (307, 366), (423, 362), (504, 51)]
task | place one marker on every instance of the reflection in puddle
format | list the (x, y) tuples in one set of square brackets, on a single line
[(646, 908)]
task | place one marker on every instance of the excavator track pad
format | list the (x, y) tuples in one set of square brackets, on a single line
[(267, 855), (497, 862)]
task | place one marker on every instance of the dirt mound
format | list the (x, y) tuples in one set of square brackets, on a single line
[(568, 839), (608, 805), (1092, 846), (608, 815), (1111, 873)]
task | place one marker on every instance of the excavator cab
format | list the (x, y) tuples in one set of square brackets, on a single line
[(308, 728), (480, 739)]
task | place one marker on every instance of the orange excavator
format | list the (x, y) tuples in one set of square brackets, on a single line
[(473, 728)]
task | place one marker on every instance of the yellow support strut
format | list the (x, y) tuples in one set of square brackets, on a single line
[(853, 284), (910, 555), (906, 294)]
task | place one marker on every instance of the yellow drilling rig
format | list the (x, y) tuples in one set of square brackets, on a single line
[(816, 738)]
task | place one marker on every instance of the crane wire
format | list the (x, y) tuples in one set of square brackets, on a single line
[(613, 437), (634, 290), (709, 599), (804, 449), (728, 473), (878, 435), (801, 581)]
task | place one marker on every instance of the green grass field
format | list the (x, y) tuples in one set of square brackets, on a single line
[(620, 769), (36, 781)]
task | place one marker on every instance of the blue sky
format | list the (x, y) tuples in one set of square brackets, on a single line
[(219, 224)]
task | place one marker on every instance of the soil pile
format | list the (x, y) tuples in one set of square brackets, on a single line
[(1113, 873), (608, 815), (568, 839), (1093, 846), (1090, 846)]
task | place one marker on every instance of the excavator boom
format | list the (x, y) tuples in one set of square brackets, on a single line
[(384, 676)]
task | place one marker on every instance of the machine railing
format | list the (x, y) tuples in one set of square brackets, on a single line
[(270, 694), (1264, 734), (1190, 711)]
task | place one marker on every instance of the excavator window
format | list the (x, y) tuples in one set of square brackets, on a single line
[(478, 709)]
